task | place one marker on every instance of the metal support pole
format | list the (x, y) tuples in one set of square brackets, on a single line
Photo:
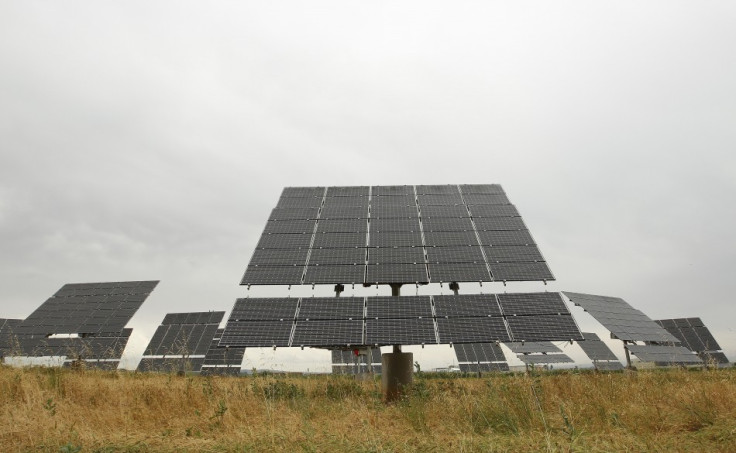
[(339, 288), (628, 356), (397, 366)]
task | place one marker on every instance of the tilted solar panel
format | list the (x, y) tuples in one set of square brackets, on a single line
[(426, 230)]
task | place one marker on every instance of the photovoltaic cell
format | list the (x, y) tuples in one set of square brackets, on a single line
[(285, 241), (341, 212), (481, 189), (279, 257), (713, 357), (301, 192), (264, 309), (480, 199), (408, 239), (342, 226), (443, 189), (339, 240), (499, 224), (294, 214), (450, 238), (273, 275), (447, 224), (512, 253), (257, 333), (289, 226)]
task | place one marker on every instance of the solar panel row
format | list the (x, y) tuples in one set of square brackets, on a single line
[(692, 333), (266, 322)]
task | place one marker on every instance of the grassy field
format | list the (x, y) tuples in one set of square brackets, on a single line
[(51, 409)]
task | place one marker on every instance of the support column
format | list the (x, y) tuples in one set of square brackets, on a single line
[(339, 288), (628, 356), (397, 366)]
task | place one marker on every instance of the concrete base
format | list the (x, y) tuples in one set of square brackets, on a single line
[(397, 373)]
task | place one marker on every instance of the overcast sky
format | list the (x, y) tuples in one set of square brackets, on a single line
[(150, 140)]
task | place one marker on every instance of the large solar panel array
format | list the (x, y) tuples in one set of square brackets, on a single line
[(83, 322), (346, 362), (395, 234), (598, 352), (664, 355), (624, 321), (222, 360), (410, 320), (480, 357), (181, 342), (693, 334)]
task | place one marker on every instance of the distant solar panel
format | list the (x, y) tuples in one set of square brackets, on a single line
[(479, 352), (692, 333), (87, 308), (222, 357), (8, 337), (438, 236), (532, 346), (624, 321), (608, 366), (536, 359), (664, 355), (484, 367), (713, 357), (595, 348), (181, 342)]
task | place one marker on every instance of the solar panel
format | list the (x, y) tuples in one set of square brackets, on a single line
[(479, 352), (608, 366), (400, 225), (330, 332), (536, 359), (543, 327), (383, 320), (532, 304), (220, 357), (354, 255), (691, 333), (471, 330), (713, 357), (664, 354), (388, 217), (300, 192), (395, 255), (399, 307), (595, 348), (8, 337), (87, 308), (384, 331), (624, 321), (348, 191), (289, 226), (521, 272), (532, 346), (346, 202), (458, 272), (347, 308), (466, 305), (342, 226), (350, 273), (483, 367), (408, 272), (182, 336), (461, 254)]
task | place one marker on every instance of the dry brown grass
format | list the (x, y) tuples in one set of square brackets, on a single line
[(63, 410)]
